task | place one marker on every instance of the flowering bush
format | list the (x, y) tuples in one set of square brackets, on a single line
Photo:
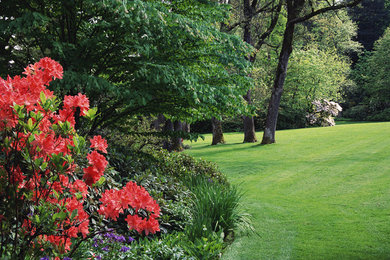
[(44, 180), (323, 113)]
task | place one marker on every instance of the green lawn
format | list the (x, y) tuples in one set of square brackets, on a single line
[(318, 193)]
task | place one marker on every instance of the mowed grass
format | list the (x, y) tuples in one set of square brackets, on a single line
[(318, 193)]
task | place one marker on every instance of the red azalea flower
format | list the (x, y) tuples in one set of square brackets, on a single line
[(97, 160), (91, 175), (99, 143), (81, 101)]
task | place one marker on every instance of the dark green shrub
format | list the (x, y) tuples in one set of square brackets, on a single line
[(380, 115), (291, 117), (359, 112), (182, 165), (161, 173)]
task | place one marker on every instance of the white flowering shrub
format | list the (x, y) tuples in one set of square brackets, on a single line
[(323, 113)]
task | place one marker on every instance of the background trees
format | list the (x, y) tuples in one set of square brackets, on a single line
[(313, 74), (175, 58), (372, 17), (366, 99), (372, 79)]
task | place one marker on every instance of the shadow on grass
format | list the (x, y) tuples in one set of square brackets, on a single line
[(222, 148)]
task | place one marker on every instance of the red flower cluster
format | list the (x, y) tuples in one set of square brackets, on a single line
[(99, 143), (26, 91), (115, 202), (33, 129), (93, 173)]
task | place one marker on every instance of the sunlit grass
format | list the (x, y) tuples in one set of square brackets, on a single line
[(318, 193)]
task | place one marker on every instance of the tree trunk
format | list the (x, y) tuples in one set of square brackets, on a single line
[(186, 127), (217, 132), (177, 142), (294, 9), (168, 127), (156, 124), (280, 76), (249, 124)]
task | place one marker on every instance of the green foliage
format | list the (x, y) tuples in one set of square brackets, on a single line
[(132, 57), (183, 165), (330, 31), (162, 174), (359, 112), (372, 80), (166, 247), (169, 193)]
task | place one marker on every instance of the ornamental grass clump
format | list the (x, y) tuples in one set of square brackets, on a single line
[(215, 209), (47, 171)]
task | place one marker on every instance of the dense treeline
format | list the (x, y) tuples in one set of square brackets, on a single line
[(367, 98)]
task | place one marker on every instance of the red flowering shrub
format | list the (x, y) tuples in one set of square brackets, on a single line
[(42, 188)]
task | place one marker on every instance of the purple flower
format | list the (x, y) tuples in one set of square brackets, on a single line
[(115, 238), (131, 239), (124, 249), (120, 238), (109, 235), (106, 249), (99, 257), (67, 258), (45, 258)]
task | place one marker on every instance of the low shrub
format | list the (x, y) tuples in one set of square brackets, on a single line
[(380, 116), (165, 247), (359, 112)]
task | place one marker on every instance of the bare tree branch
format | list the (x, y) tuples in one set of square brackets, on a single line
[(325, 9), (270, 29), (265, 8)]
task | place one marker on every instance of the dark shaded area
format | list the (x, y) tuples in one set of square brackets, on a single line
[(372, 17)]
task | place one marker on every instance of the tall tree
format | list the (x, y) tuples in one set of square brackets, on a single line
[(296, 13), (255, 33)]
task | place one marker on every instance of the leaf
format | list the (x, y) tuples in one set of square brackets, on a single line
[(74, 214), (36, 219), (43, 98), (30, 125)]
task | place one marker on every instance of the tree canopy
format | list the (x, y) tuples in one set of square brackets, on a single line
[(132, 57)]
